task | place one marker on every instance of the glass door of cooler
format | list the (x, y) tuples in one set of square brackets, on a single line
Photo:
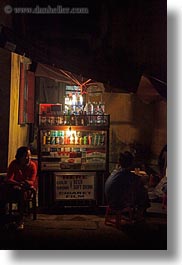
[(73, 149)]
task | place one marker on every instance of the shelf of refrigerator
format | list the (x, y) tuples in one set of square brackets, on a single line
[(74, 146), (73, 166), (51, 157), (64, 116), (61, 158), (95, 128), (94, 166), (89, 159)]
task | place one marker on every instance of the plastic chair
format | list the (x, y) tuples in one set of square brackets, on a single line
[(29, 201), (118, 217), (8, 198)]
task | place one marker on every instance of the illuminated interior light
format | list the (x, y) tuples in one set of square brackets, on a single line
[(73, 100), (81, 99)]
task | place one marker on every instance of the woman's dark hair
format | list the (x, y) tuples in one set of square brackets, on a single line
[(21, 151), (162, 160), (126, 159)]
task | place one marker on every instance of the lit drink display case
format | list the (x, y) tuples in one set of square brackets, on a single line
[(73, 156)]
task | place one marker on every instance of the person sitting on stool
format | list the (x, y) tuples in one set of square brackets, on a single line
[(125, 189), (21, 175)]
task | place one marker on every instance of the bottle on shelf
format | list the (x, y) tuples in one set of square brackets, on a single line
[(67, 117), (89, 139), (44, 138), (43, 119), (82, 121), (85, 118), (90, 112), (72, 119)]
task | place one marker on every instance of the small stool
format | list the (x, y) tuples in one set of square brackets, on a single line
[(30, 203), (119, 216)]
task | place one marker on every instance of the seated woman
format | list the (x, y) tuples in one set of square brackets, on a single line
[(124, 188), (159, 192), (162, 161), (21, 175)]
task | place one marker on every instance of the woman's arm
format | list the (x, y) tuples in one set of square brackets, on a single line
[(32, 174), (11, 173)]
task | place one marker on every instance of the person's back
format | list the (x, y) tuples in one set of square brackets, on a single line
[(123, 188), (119, 188)]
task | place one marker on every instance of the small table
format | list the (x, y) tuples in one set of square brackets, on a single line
[(143, 175), (2, 176)]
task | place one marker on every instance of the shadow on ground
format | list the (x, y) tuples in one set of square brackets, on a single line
[(84, 232)]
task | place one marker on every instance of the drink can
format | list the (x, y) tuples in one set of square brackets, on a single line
[(99, 139), (89, 139), (61, 120), (57, 120), (81, 140), (59, 133), (85, 138), (48, 139), (57, 140), (48, 149), (52, 140), (48, 121), (61, 140), (96, 139), (52, 120), (44, 139), (43, 120)]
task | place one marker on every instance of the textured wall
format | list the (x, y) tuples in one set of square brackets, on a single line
[(18, 134), (159, 138), (135, 126), (5, 72), (5, 19)]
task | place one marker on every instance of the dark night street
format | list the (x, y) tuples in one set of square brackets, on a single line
[(74, 231)]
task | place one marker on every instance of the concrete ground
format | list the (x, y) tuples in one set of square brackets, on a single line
[(86, 231)]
